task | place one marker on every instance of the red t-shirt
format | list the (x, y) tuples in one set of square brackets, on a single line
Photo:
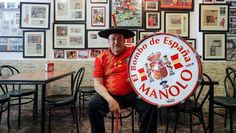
[(114, 71)]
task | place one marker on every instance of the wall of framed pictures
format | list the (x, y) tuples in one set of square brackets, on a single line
[(72, 26)]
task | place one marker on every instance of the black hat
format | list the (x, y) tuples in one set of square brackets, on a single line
[(125, 32)]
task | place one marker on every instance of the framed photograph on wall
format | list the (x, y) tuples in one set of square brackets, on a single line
[(191, 42), (131, 41), (186, 5), (213, 17), (69, 10), (151, 5), (153, 20), (11, 44), (232, 19), (99, 1), (34, 15), (71, 54), (207, 1), (214, 46), (34, 44), (68, 36), (59, 54), (220, 1), (144, 34), (95, 41), (129, 16), (83, 54), (231, 48), (98, 16), (177, 23)]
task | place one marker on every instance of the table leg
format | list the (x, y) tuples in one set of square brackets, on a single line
[(43, 108), (211, 110)]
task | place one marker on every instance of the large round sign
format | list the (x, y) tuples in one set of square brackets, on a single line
[(164, 69)]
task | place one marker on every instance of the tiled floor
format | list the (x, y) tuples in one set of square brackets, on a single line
[(66, 125)]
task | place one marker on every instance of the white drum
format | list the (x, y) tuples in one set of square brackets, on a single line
[(164, 69)]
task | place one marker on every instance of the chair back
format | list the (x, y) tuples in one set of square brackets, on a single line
[(230, 84), (77, 82), (202, 93), (8, 70)]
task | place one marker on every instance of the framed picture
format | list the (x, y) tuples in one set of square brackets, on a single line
[(34, 15), (83, 54), (191, 42), (213, 17), (98, 16), (144, 34), (68, 36), (151, 5), (127, 14), (214, 46), (11, 44), (34, 44), (220, 1), (95, 41), (59, 54), (131, 41), (98, 1), (71, 54), (186, 5), (231, 48), (232, 19), (153, 20), (95, 52), (177, 23), (69, 10), (10, 23), (207, 1)]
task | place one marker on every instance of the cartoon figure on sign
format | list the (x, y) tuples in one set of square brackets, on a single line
[(168, 65), (149, 72), (157, 67)]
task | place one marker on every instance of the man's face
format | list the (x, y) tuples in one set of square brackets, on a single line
[(116, 43)]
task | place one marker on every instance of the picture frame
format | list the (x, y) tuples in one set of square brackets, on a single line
[(131, 41), (191, 42), (177, 23), (153, 20), (95, 41), (208, 1), (151, 5), (130, 16), (84, 54), (11, 44), (144, 34), (220, 1), (186, 5), (98, 16), (34, 44), (232, 18), (213, 17), (95, 52), (231, 48), (69, 36), (59, 54), (71, 54), (98, 1), (214, 46), (64, 11), (35, 15)]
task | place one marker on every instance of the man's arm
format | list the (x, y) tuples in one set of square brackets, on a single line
[(102, 91)]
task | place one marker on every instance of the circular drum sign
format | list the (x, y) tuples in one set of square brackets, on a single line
[(164, 70)]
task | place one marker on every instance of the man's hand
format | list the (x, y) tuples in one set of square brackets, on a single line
[(113, 105)]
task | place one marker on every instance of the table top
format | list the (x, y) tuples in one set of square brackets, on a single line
[(41, 77)]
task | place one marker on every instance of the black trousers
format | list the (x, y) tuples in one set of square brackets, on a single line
[(98, 108)]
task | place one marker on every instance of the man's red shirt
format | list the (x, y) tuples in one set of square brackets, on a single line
[(114, 71)]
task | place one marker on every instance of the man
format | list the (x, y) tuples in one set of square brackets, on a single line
[(113, 87)]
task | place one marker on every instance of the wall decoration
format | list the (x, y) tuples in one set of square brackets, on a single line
[(232, 18), (144, 34), (127, 14), (11, 44), (151, 5), (34, 44), (68, 36), (231, 48), (71, 54), (186, 5), (69, 10), (95, 41), (214, 46), (34, 15), (153, 20), (59, 54), (213, 17), (83, 54), (95, 52), (207, 1), (177, 23), (220, 1), (99, 1), (98, 16), (192, 42), (131, 41)]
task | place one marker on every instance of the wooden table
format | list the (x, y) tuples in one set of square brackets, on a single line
[(37, 78)]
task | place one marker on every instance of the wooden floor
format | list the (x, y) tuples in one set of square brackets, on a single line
[(66, 125)]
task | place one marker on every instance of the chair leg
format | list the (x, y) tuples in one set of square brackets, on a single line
[(231, 120), (120, 116), (167, 121), (8, 115), (203, 122), (83, 101), (1, 113), (76, 118), (226, 115), (176, 120), (73, 113), (190, 122), (49, 119), (80, 106), (132, 117), (19, 112), (112, 122)]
